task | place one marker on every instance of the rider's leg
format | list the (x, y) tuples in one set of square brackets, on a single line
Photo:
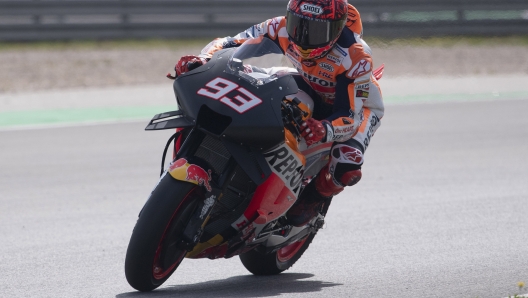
[(343, 169)]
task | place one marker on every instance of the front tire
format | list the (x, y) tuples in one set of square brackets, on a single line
[(153, 253)]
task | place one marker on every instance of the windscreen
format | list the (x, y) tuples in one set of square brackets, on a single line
[(255, 59)]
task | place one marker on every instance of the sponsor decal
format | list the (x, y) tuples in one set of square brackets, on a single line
[(351, 18), (324, 74), (294, 61), (177, 164), (248, 232), (352, 114), (241, 222), (329, 134), (198, 174), (256, 30), (309, 63), (361, 115), (285, 164), (362, 93), (209, 202), (363, 86), (341, 51), (273, 28), (312, 9), (359, 69), (326, 66), (193, 173), (334, 59), (327, 97), (318, 81), (373, 122), (350, 154), (343, 130), (292, 52)]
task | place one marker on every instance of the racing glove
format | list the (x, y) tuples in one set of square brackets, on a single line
[(315, 131), (188, 63)]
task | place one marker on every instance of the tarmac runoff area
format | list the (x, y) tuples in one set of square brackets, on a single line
[(88, 106)]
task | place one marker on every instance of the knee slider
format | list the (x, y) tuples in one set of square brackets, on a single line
[(348, 165), (351, 177)]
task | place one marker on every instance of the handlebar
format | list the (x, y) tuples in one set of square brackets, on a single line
[(292, 115)]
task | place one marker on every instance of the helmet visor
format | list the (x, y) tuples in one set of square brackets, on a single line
[(311, 34)]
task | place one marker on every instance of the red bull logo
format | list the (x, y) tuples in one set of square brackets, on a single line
[(192, 173), (177, 164), (198, 174)]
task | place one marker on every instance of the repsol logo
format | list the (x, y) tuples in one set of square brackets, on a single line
[(285, 163), (313, 9), (318, 81)]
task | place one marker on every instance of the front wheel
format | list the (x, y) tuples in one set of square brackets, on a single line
[(259, 263), (153, 253)]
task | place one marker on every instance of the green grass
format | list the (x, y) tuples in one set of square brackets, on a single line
[(180, 43)]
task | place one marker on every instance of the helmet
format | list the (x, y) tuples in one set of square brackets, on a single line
[(315, 25)]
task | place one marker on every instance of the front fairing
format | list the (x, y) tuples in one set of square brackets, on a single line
[(257, 124)]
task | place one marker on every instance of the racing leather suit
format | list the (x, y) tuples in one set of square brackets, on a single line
[(343, 88)]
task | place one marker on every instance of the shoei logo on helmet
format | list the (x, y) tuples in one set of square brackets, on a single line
[(313, 9)]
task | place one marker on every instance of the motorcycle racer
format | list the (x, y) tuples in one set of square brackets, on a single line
[(323, 41)]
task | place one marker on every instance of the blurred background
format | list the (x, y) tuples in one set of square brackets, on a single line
[(441, 208), (50, 44)]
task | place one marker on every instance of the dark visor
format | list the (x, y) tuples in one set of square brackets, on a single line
[(311, 34)]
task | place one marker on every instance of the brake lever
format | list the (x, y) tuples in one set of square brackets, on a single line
[(171, 76)]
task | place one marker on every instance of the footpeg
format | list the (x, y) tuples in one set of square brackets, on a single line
[(318, 224)]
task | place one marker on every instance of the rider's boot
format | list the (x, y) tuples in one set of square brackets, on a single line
[(318, 192)]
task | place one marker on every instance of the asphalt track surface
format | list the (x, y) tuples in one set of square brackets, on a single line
[(442, 211)]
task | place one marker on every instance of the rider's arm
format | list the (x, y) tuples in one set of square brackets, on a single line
[(254, 31), (352, 91)]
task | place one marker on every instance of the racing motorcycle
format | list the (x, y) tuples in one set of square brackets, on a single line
[(239, 163)]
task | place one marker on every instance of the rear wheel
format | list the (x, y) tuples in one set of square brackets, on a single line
[(153, 253), (260, 263)]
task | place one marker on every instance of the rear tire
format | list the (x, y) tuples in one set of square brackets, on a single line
[(259, 263), (152, 254)]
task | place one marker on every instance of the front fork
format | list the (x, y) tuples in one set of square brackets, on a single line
[(186, 167), (194, 229)]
